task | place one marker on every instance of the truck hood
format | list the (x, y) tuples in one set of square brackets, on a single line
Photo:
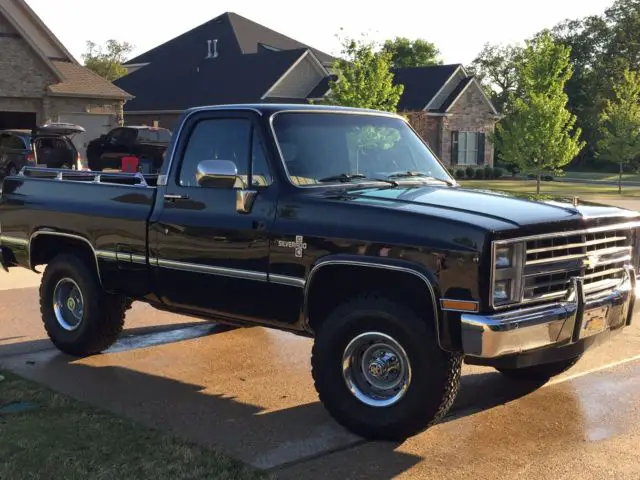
[(495, 208)]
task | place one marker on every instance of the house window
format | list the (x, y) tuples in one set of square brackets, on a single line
[(467, 148)]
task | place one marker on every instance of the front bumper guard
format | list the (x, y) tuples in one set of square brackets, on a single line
[(557, 324)]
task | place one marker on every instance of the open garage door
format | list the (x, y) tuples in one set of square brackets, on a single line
[(95, 125), (18, 120)]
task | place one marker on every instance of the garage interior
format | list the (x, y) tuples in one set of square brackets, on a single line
[(17, 120)]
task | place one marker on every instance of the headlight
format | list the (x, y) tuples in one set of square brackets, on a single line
[(502, 291), (504, 256), (507, 274)]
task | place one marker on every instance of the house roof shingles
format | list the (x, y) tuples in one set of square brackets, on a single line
[(235, 34), (421, 84), (79, 80), (227, 79)]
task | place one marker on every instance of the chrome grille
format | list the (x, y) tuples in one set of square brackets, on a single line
[(598, 257)]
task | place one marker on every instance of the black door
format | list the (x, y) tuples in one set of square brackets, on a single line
[(211, 257)]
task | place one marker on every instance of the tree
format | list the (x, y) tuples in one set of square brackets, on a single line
[(364, 78), (620, 123), (539, 132), (495, 68), (107, 62), (417, 53)]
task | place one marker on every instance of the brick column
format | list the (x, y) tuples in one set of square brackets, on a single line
[(47, 111), (120, 113)]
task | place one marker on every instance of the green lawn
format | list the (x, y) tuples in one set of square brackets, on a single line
[(610, 177), (61, 438), (552, 188)]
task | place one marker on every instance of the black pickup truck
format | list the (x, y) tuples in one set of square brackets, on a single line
[(338, 224)]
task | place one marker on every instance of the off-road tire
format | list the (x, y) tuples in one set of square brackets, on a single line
[(435, 374), (542, 372), (103, 317)]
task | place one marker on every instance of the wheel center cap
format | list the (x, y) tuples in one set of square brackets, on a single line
[(71, 304), (377, 369)]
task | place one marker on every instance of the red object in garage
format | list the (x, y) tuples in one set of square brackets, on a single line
[(130, 164)]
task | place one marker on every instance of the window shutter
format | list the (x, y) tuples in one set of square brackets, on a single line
[(454, 148), (480, 159)]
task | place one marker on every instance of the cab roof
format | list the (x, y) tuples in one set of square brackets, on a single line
[(271, 108)]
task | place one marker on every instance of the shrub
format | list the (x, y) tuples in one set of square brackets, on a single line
[(470, 172), (460, 173), (547, 178), (497, 172), (488, 172), (479, 173), (531, 176)]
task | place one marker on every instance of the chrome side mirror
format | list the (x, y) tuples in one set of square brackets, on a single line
[(217, 174)]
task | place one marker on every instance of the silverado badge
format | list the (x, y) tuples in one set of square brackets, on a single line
[(298, 245)]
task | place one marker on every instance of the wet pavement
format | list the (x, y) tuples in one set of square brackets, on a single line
[(248, 392)]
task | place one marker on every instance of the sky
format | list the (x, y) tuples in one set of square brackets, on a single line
[(459, 29)]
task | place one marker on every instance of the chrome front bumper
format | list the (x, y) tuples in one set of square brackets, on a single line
[(558, 324)]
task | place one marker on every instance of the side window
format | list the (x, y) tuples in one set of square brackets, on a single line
[(216, 139), (260, 167), (115, 137), (13, 142)]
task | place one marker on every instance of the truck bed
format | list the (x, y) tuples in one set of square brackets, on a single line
[(109, 211)]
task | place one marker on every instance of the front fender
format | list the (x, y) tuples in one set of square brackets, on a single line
[(432, 287)]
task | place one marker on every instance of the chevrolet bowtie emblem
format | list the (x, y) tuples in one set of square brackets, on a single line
[(591, 261)]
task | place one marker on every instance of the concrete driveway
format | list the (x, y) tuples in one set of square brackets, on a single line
[(248, 392)]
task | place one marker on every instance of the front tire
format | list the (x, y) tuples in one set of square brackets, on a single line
[(379, 371), (542, 372), (79, 317)]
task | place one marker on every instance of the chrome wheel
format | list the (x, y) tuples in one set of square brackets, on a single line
[(376, 369), (68, 304)]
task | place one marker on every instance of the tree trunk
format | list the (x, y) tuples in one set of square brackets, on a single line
[(538, 183), (620, 179)]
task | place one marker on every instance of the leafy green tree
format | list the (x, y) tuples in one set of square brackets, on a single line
[(620, 123), (602, 46), (107, 61), (539, 132), (495, 69), (364, 78), (412, 53)]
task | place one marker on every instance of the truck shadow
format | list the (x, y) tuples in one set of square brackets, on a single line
[(266, 439)]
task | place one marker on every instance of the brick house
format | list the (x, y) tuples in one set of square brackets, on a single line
[(450, 110), (41, 82), (232, 59)]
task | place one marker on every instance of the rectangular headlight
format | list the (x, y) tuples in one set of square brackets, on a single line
[(504, 256), (507, 273)]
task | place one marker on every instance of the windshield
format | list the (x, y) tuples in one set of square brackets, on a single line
[(323, 148)]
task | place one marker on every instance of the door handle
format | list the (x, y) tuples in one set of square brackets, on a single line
[(175, 196)]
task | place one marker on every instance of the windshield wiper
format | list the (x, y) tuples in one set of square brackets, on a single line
[(347, 177), (409, 174)]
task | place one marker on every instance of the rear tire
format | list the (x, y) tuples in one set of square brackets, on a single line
[(542, 372), (11, 170), (79, 317), (403, 342)]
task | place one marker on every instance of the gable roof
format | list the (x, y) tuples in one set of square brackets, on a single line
[(74, 79), (227, 79), (236, 35), (421, 84), (79, 81), (453, 96)]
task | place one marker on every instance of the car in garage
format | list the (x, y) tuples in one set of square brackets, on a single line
[(48, 145)]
